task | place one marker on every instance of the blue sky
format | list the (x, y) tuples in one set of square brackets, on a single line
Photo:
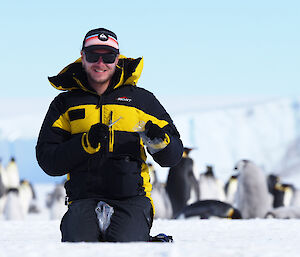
[(196, 47)]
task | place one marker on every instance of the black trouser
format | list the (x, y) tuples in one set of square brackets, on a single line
[(131, 221)]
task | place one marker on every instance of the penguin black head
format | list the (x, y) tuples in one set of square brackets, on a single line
[(272, 181), (209, 171), (236, 214), (186, 151), (13, 190)]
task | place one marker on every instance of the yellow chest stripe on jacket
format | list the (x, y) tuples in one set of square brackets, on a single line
[(92, 116), (129, 118)]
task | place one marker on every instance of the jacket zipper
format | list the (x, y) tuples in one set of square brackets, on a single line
[(111, 135), (99, 105)]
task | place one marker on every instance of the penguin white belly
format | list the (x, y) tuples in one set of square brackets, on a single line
[(13, 208)]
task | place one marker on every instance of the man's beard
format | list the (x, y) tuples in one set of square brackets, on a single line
[(100, 82), (95, 81)]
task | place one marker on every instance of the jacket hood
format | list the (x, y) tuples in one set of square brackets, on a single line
[(73, 77)]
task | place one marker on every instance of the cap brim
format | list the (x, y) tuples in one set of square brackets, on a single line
[(96, 47)]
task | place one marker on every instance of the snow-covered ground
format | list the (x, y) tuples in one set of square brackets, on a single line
[(38, 236), (191, 238)]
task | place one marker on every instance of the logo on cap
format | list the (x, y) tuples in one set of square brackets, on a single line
[(102, 37)]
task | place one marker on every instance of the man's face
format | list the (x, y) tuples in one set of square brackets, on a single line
[(99, 72)]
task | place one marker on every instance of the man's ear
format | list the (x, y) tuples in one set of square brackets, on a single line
[(117, 58), (82, 59)]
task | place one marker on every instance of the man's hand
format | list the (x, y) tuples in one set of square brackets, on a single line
[(98, 133), (154, 131)]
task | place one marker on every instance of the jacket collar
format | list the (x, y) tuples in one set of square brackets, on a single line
[(73, 77)]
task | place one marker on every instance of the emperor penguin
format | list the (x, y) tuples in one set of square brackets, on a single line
[(13, 209), (230, 189), (282, 193), (181, 182), (253, 198), (161, 200), (10, 176), (284, 212), (206, 209), (210, 187), (27, 197), (2, 189), (56, 202)]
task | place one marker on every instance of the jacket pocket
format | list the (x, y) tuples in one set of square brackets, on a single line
[(77, 114)]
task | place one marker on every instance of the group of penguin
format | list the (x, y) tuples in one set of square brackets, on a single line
[(17, 197), (56, 201), (249, 193)]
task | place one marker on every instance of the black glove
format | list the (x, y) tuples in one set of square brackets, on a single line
[(153, 131), (98, 133)]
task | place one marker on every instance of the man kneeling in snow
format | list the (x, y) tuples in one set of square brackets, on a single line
[(93, 134)]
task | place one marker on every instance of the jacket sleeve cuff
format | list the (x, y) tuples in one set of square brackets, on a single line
[(171, 154)]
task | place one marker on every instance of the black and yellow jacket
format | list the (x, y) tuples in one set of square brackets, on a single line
[(122, 172)]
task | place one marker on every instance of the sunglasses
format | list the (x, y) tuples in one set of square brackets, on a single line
[(93, 57)]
